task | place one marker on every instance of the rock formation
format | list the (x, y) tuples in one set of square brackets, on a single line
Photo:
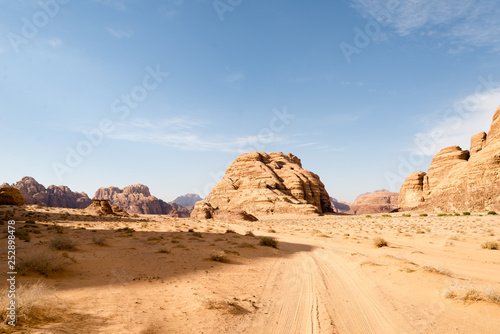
[(339, 206), (257, 183), (459, 180), (11, 196), (136, 199), (187, 201), (100, 207), (380, 201), (53, 196)]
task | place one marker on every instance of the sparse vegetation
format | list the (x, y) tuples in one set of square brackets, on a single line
[(406, 215), (380, 242), (62, 243), (442, 214), (230, 231), (492, 245), (424, 215), (249, 234), (368, 216), (472, 294), (269, 242), (219, 256), (466, 213), (386, 215), (23, 235), (100, 241), (126, 230), (493, 213), (42, 262), (35, 303)]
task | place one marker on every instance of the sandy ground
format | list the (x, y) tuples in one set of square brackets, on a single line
[(326, 276)]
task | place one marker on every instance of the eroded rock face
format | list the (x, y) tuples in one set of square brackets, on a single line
[(53, 196), (458, 180), (100, 207), (136, 199), (258, 183), (187, 201), (339, 206), (380, 201), (11, 196)]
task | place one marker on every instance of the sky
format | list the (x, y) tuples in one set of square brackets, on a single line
[(98, 93)]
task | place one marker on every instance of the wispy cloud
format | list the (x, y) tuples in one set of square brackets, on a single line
[(117, 33), (186, 134), (353, 83), (471, 22), (55, 43), (116, 4), (234, 77), (468, 116)]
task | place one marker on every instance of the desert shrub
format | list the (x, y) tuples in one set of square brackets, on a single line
[(22, 234), (191, 230), (442, 214), (219, 256), (126, 230), (100, 241), (490, 245), (35, 303), (62, 243), (246, 245), (472, 294), (368, 216), (466, 213), (457, 214), (386, 215), (271, 230), (230, 231), (249, 234), (423, 215), (42, 262), (379, 242), (269, 242), (197, 234), (163, 251), (492, 213), (406, 215)]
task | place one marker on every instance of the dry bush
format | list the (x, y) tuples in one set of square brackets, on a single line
[(246, 245), (35, 304), (219, 256), (437, 270), (62, 243), (224, 305), (249, 234), (41, 261), (472, 294), (380, 242), (269, 242), (100, 241), (490, 245)]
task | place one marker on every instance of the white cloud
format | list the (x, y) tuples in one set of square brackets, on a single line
[(116, 4), (471, 22), (55, 42), (116, 33), (353, 83), (234, 77), (185, 134), (468, 117)]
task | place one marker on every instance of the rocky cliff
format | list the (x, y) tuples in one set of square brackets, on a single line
[(53, 196), (380, 201), (258, 183), (136, 199), (458, 179)]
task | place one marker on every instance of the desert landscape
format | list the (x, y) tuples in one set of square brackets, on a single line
[(156, 274)]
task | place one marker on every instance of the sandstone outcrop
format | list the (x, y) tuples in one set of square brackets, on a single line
[(100, 207), (187, 201), (258, 183), (53, 196), (380, 201), (339, 206), (136, 199), (457, 179), (11, 196)]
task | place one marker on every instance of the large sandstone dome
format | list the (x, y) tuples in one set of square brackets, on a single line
[(459, 179), (258, 183)]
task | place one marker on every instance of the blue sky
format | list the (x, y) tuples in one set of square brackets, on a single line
[(97, 93)]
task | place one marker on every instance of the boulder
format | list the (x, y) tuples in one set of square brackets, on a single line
[(11, 196)]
